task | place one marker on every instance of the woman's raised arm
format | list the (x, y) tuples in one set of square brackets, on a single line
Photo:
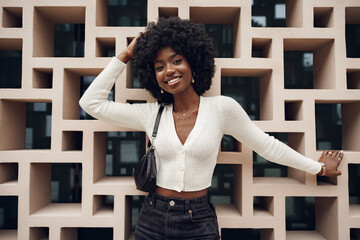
[(95, 99), (128, 53)]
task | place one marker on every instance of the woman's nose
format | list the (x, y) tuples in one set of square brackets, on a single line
[(170, 70)]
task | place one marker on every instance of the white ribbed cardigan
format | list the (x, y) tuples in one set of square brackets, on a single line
[(188, 166)]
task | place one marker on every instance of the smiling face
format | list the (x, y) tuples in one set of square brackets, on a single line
[(173, 72)]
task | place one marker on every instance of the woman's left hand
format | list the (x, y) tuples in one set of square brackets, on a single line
[(331, 159), (127, 54)]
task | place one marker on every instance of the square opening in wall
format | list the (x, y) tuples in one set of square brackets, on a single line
[(38, 125), (105, 47), (121, 13), (26, 125), (103, 205), (42, 78), (280, 13), (293, 110), (263, 206), (246, 91), (323, 17), (352, 30), (11, 63), (337, 125), (261, 48), (117, 153), (223, 27), (168, 12), (354, 233), (251, 89), (12, 17), (353, 78), (59, 32), (221, 190), (132, 81), (76, 81), (247, 233), (264, 170), (222, 38), (39, 233), (328, 126), (87, 233), (72, 140), (230, 144), (224, 190), (354, 190), (9, 173), (8, 213), (308, 217), (309, 64), (300, 213), (66, 182), (55, 189), (133, 206), (69, 40), (298, 70)]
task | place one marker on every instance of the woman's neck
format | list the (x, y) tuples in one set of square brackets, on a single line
[(185, 102)]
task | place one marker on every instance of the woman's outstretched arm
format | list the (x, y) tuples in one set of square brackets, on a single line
[(237, 123)]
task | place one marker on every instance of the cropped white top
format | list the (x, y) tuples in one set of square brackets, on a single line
[(188, 166)]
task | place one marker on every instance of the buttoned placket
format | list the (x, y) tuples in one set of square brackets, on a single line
[(181, 168)]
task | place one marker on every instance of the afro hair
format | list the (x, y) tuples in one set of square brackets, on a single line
[(186, 38)]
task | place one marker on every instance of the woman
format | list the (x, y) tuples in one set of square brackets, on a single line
[(175, 62)]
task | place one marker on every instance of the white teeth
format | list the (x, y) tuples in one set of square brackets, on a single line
[(174, 80)]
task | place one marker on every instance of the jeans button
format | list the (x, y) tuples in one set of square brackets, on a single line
[(172, 203)]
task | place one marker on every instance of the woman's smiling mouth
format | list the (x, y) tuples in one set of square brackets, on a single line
[(174, 81)]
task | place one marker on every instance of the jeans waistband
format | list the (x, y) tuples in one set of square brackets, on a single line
[(168, 203)]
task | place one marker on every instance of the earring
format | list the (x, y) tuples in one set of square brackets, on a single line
[(193, 80), (162, 91)]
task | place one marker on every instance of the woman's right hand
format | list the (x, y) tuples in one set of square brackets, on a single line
[(128, 53)]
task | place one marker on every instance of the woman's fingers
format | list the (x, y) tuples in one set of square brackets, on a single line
[(340, 155), (335, 154), (332, 153), (332, 159), (324, 153)]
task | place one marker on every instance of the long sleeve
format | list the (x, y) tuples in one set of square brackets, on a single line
[(95, 102), (237, 123)]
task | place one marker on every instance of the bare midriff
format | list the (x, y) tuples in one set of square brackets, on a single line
[(181, 195)]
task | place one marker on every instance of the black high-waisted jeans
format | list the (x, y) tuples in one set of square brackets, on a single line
[(163, 218)]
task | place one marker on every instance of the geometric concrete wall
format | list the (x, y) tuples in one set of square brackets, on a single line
[(51, 85)]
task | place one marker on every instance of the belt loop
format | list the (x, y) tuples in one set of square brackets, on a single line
[(187, 205)]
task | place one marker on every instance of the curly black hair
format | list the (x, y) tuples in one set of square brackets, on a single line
[(186, 38)]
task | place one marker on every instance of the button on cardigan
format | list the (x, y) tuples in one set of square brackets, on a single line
[(188, 166)]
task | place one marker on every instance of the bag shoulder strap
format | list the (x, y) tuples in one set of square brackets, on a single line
[(157, 121), (156, 126)]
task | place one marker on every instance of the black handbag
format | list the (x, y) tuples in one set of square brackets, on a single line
[(145, 171)]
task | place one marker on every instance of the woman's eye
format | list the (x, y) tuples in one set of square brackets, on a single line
[(159, 68), (177, 61)]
